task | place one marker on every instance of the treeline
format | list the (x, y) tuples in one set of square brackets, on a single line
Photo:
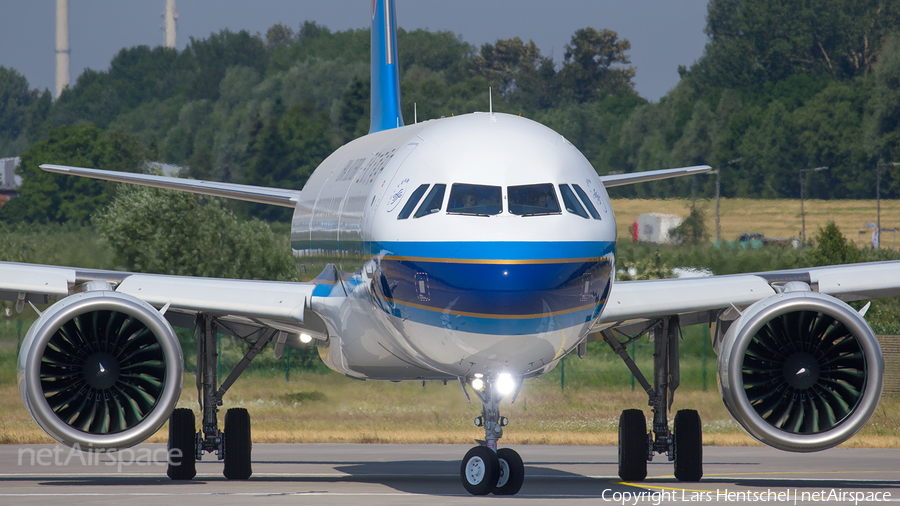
[(781, 86)]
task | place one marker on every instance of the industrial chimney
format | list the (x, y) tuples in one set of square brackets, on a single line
[(171, 16), (62, 46)]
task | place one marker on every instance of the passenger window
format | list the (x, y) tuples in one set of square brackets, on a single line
[(587, 202), (411, 203), (433, 201), (532, 200), (474, 199), (570, 202)]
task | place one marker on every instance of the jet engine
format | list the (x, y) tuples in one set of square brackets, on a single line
[(800, 371), (100, 370)]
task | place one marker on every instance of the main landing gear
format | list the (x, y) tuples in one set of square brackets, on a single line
[(684, 445), (232, 445), (485, 469)]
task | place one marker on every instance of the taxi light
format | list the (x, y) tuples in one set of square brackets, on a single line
[(505, 384)]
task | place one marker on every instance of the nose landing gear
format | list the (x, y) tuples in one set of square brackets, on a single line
[(485, 469)]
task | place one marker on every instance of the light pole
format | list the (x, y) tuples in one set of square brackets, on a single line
[(718, 173), (802, 213), (878, 197)]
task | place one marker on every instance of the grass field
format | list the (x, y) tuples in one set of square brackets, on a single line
[(774, 218)]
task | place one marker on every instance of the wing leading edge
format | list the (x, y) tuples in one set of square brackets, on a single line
[(694, 298), (258, 194), (273, 300), (612, 180)]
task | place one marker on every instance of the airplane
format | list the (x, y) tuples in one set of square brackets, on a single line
[(489, 244)]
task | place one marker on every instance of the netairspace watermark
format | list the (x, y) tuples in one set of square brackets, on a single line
[(63, 456), (790, 496)]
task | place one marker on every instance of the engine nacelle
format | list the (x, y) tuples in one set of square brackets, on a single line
[(100, 369), (800, 371)]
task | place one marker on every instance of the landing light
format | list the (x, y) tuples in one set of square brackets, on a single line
[(478, 384), (305, 338), (505, 384)]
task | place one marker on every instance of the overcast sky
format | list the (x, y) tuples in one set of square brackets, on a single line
[(663, 34)]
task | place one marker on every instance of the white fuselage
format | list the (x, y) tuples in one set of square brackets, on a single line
[(458, 290)]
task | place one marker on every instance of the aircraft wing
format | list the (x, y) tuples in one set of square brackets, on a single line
[(259, 194), (611, 180), (699, 300), (256, 303)]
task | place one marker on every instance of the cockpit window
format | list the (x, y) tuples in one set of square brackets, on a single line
[(433, 201), (570, 202), (587, 202), (534, 199), (411, 203), (474, 199)]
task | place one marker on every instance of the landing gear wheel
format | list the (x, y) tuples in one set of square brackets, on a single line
[(237, 444), (480, 470), (688, 446), (632, 445), (182, 445), (512, 472)]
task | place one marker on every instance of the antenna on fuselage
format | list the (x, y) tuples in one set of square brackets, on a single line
[(490, 101), (415, 112)]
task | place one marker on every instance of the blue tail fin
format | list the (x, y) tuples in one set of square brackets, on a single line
[(385, 69)]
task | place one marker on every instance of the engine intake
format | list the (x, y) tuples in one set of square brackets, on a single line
[(800, 371), (100, 369)]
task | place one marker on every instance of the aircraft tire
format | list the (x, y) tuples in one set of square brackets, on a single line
[(182, 457), (237, 444), (480, 470), (512, 472), (688, 446), (632, 445)]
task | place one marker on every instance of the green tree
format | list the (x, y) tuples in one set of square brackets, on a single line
[(353, 114), (279, 35), (753, 42), (287, 151), (831, 133), (883, 124), (22, 112), (211, 58), (693, 229), (444, 53), (48, 197), (518, 73), (596, 64), (136, 75), (14, 102), (832, 248), (167, 232), (316, 41)]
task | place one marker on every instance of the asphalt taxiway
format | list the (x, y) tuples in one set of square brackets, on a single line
[(429, 474)]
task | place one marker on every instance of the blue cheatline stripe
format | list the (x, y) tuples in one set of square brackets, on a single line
[(495, 326), (515, 326), (456, 251), (495, 290), (385, 98)]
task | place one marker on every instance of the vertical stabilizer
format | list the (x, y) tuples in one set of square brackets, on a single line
[(385, 69)]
